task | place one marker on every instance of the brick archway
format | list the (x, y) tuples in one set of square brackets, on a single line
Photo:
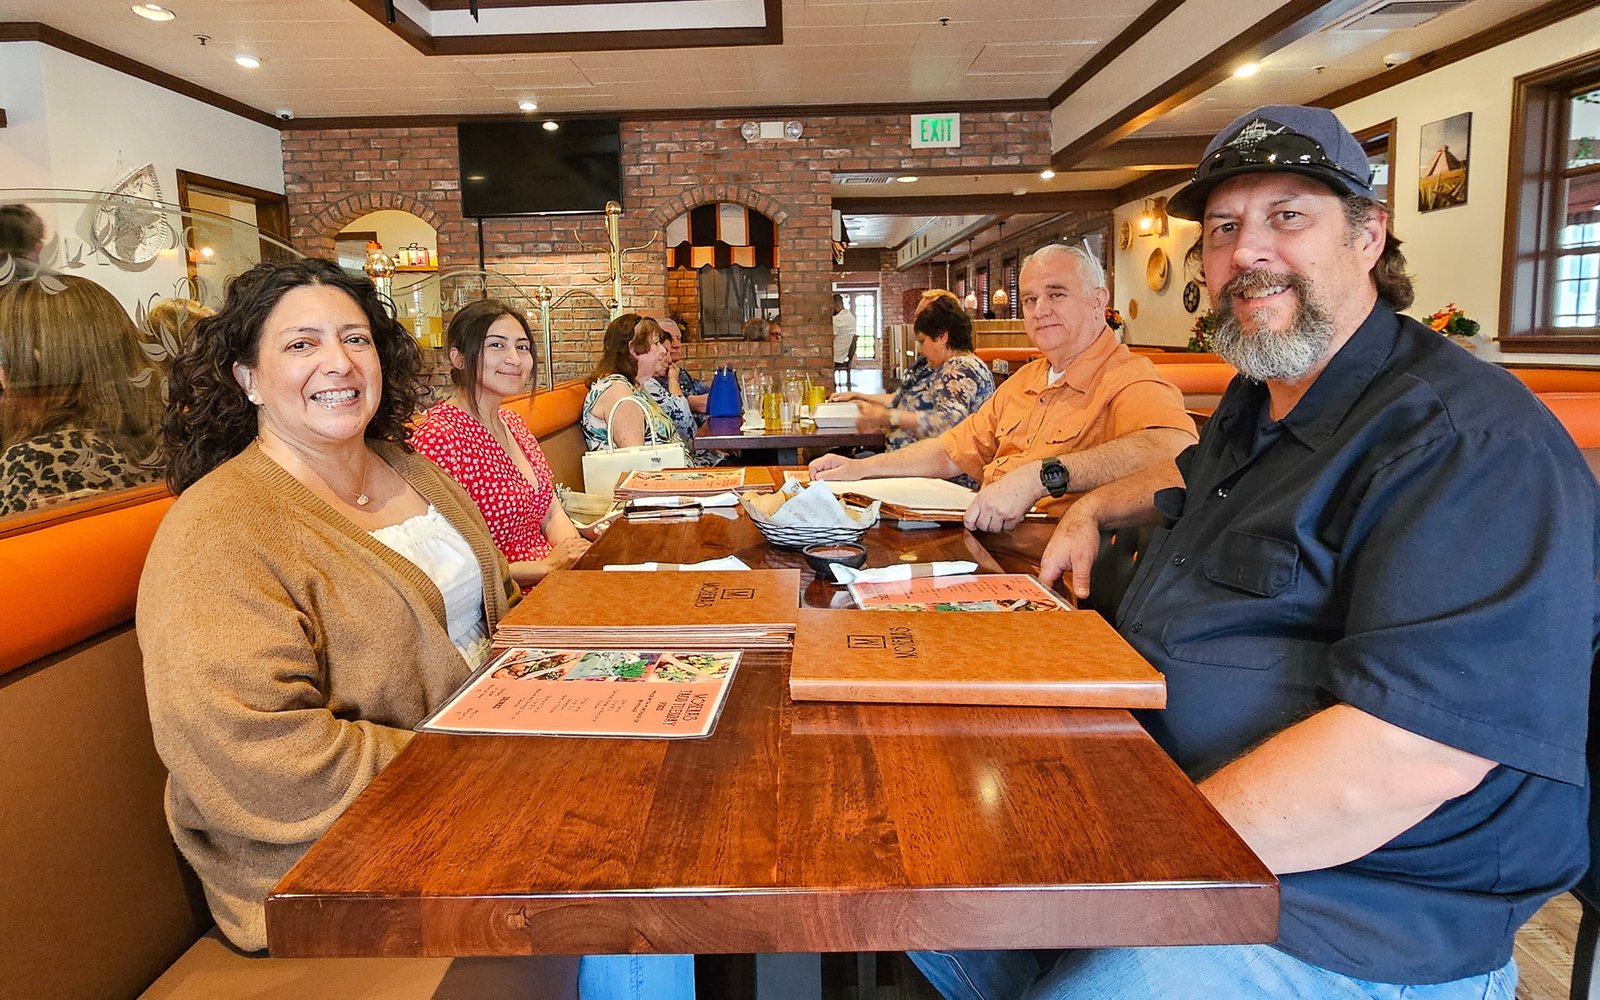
[(711, 194), (315, 237)]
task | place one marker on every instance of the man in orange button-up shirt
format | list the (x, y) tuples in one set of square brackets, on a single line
[(1088, 412)]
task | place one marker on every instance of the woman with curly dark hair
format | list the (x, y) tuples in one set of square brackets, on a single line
[(317, 588)]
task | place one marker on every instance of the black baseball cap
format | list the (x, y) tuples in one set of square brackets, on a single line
[(1308, 141)]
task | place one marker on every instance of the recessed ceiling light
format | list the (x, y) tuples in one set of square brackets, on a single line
[(1047, 174), (153, 12), (528, 105), (247, 61), (551, 126), (907, 179), (1019, 191), (1249, 69)]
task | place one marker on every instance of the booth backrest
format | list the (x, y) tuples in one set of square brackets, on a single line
[(1579, 413), (1202, 385), (1543, 380), (554, 421), (97, 901), (1178, 357), (1013, 356)]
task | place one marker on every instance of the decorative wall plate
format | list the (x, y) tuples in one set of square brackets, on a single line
[(1156, 271), (1125, 235), (1191, 296), (130, 226), (1133, 308)]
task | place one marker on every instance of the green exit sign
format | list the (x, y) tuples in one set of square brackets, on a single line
[(935, 131)]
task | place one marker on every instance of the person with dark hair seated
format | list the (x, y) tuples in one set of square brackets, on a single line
[(21, 240), (489, 450), (317, 589), (945, 385)]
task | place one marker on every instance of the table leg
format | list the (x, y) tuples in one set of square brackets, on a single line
[(789, 976)]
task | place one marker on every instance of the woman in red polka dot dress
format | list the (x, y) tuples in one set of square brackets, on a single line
[(490, 451)]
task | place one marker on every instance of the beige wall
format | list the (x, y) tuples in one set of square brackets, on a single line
[(1455, 252)]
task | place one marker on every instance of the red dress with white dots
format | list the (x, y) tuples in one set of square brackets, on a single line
[(514, 508)]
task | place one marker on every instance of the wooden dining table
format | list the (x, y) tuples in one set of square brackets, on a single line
[(780, 446), (793, 828)]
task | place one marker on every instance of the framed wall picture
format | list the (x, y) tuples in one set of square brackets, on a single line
[(1445, 154)]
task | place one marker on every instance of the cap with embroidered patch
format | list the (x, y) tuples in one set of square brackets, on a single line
[(1307, 141)]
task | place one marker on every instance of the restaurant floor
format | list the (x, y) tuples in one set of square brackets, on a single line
[(1543, 951)]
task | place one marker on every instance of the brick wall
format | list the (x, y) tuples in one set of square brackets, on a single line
[(335, 175)]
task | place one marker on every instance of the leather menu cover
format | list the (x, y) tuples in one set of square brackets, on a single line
[(1066, 658), (588, 599)]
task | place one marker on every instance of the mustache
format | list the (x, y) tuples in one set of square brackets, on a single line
[(1255, 281)]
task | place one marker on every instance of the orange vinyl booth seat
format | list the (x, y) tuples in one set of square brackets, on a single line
[(1579, 413), (1161, 357), (1202, 384), (1013, 356), (98, 901), (1543, 380)]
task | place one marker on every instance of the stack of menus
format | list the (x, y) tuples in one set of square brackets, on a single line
[(592, 609), (969, 592)]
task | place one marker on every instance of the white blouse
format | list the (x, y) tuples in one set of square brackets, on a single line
[(439, 550)]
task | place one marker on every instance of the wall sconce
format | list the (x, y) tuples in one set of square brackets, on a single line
[(1153, 219)]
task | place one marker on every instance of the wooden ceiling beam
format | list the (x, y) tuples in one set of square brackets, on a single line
[(1155, 153), (980, 204)]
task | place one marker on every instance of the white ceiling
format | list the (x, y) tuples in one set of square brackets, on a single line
[(326, 58)]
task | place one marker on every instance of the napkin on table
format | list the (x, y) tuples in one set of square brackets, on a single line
[(726, 562), (901, 571)]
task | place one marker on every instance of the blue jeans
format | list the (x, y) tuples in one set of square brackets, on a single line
[(636, 977), (1238, 972)]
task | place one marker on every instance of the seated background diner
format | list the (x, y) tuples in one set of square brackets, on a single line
[(171, 322), (632, 351), (756, 330), (489, 450), (1086, 413), (946, 384), (79, 409), (315, 591), (695, 391), (22, 233)]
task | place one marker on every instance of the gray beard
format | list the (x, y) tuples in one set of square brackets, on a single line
[(1286, 355)]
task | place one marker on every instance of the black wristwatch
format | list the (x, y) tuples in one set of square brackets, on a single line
[(1053, 476)]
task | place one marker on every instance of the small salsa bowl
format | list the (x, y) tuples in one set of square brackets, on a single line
[(820, 557)]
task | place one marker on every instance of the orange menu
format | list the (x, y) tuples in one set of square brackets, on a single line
[(1070, 658), (591, 692)]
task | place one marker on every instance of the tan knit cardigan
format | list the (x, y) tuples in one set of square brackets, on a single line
[(287, 656)]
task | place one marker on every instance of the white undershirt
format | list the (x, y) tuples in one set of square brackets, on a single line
[(1054, 377), (439, 550)]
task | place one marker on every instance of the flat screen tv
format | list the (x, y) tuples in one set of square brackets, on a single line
[(522, 168)]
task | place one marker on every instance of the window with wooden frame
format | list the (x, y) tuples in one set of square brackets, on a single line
[(1011, 288), (1551, 263), (981, 282), (1378, 143)]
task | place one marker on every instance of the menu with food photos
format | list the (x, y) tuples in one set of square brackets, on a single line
[(968, 592), (662, 694)]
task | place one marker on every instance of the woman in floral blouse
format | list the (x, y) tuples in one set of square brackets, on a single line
[(489, 450), (947, 383)]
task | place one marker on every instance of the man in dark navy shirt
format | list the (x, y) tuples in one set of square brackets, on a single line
[(1374, 601)]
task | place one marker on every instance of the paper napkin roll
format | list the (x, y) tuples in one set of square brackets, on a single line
[(901, 571), (726, 562)]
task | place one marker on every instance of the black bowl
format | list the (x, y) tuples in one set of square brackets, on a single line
[(820, 557)]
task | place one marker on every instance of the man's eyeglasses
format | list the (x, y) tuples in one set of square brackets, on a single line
[(1286, 149)]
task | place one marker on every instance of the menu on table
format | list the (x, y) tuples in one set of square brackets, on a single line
[(1072, 659), (968, 592), (688, 482), (671, 694)]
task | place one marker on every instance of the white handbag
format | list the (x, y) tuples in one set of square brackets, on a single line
[(602, 469)]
